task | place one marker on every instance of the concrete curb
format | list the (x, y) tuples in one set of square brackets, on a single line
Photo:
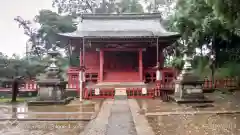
[(141, 124), (193, 113), (98, 126)]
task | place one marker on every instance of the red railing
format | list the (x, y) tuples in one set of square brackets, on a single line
[(230, 83), (167, 74), (220, 83), (161, 88), (28, 86), (103, 93), (137, 93)]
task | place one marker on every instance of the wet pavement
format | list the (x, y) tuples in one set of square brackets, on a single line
[(118, 117), (98, 126), (74, 110), (127, 117), (120, 121), (200, 124)]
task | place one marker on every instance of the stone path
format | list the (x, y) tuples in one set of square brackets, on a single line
[(120, 121), (119, 117)]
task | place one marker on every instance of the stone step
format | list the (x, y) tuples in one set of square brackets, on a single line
[(120, 83), (120, 91), (120, 97)]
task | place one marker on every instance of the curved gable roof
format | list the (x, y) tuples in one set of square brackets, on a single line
[(123, 25)]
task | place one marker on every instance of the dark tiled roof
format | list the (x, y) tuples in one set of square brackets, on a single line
[(124, 25)]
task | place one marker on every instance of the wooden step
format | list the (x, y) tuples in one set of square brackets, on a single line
[(121, 76), (120, 83)]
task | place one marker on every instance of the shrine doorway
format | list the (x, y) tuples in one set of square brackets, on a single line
[(119, 61)]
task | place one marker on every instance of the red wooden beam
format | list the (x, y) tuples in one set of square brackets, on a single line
[(121, 49), (101, 65), (140, 65)]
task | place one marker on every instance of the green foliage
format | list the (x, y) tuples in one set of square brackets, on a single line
[(199, 21), (75, 7), (227, 12), (51, 24), (230, 69), (129, 6), (212, 23), (177, 63), (154, 5), (27, 67)]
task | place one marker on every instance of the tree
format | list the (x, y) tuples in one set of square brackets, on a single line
[(75, 7), (211, 23), (228, 13), (51, 23), (163, 6), (31, 32), (129, 6)]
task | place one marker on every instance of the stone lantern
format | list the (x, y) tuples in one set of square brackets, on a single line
[(52, 87), (188, 87)]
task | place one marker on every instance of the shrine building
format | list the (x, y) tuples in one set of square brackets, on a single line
[(124, 48)]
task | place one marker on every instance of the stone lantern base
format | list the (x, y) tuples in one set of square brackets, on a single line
[(189, 89), (51, 91)]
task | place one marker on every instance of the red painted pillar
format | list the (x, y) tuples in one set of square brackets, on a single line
[(101, 65), (140, 65)]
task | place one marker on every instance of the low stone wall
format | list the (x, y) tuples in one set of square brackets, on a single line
[(7, 94)]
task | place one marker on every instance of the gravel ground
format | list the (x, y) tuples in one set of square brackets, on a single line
[(204, 124), (195, 125)]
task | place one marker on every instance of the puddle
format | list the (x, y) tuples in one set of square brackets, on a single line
[(74, 107), (43, 128), (72, 110), (62, 108)]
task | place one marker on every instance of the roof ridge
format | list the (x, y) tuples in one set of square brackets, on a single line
[(122, 16)]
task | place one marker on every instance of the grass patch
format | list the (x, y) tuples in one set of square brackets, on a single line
[(21, 99)]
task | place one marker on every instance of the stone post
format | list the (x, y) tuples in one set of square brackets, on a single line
[(158, 74), (81, 82)]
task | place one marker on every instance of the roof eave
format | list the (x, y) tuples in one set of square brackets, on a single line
[(74, 35), (121, 16)]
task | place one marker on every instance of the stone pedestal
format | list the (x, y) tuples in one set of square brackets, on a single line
[(53, 89), (189, 89)]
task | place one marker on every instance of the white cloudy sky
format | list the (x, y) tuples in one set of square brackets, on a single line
[(12, 39)]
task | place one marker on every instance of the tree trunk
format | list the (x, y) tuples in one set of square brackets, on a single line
[(15, 90)]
